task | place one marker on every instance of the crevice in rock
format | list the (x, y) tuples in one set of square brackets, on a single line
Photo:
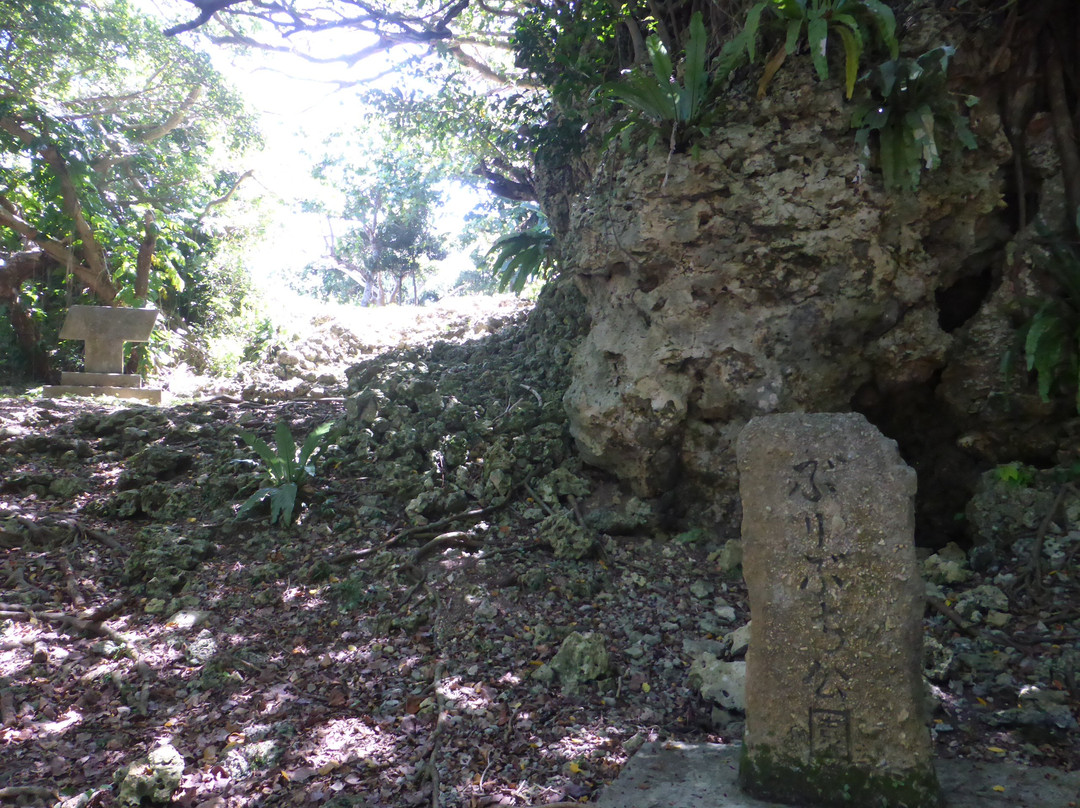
[(928, 441), (700, 294), (650, 280), (962, 300), (1020, 209)]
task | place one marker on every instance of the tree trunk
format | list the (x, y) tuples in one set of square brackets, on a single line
[(142, 283), (18, 268), (29, 339), (97, 282), (93, 270), (131, 364), (1064, 132), (14, 272), (146, 257)]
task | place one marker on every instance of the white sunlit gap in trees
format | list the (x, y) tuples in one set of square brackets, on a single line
[(311, 84)]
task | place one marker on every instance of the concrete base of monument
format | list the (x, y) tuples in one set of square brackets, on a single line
[(675, 775), (147, 394)]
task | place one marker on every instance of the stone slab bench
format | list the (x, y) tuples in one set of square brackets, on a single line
[(105, 329)]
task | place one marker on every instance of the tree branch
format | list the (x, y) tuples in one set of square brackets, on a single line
[(92, 250), (221, 200), (496, 12), (502, 43), (350, 59), (503, 186), (207, 9), (94, 254), (174, 120), (388, 28), (10, 218), (111, 102), (483, 69)]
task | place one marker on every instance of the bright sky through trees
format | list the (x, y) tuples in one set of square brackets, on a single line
[(300, 104)]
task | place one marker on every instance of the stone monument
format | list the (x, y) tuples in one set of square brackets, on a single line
[(105, 329), (835, 699)]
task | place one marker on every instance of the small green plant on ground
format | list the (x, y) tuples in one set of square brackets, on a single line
[(693, 536), (356, 591), (287, 468), (678, 110), (858, 23), (914, 115), (1051, 337), (1015, 475)]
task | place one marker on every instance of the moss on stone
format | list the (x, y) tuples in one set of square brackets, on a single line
[(834, 784)]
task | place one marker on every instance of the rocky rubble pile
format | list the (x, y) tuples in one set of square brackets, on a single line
[(1008, 606), (446, 421), (314, 365), (454, 424)]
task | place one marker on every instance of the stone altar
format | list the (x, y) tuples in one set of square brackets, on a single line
[(105, 329)]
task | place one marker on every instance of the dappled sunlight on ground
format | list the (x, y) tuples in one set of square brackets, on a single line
[(474, 698), (348, 740)]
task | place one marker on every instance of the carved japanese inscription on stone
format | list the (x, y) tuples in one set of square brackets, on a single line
[(830, 734), (834, 687), (823, 581)]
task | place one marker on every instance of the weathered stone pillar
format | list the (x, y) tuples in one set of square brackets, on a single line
[(835, 703)]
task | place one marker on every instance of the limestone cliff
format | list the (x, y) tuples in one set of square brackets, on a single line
[(768, 272)]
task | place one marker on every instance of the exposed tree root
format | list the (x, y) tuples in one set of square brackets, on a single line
[(455, 538), (952, 616), (474, 514), (1035, 569), (14, 792), (10, 611)]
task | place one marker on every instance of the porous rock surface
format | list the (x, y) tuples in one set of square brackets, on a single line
[(765, 273), (152, 780)]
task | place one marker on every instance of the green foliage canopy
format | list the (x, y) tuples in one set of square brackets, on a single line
[(388, 194), (111, 136)]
